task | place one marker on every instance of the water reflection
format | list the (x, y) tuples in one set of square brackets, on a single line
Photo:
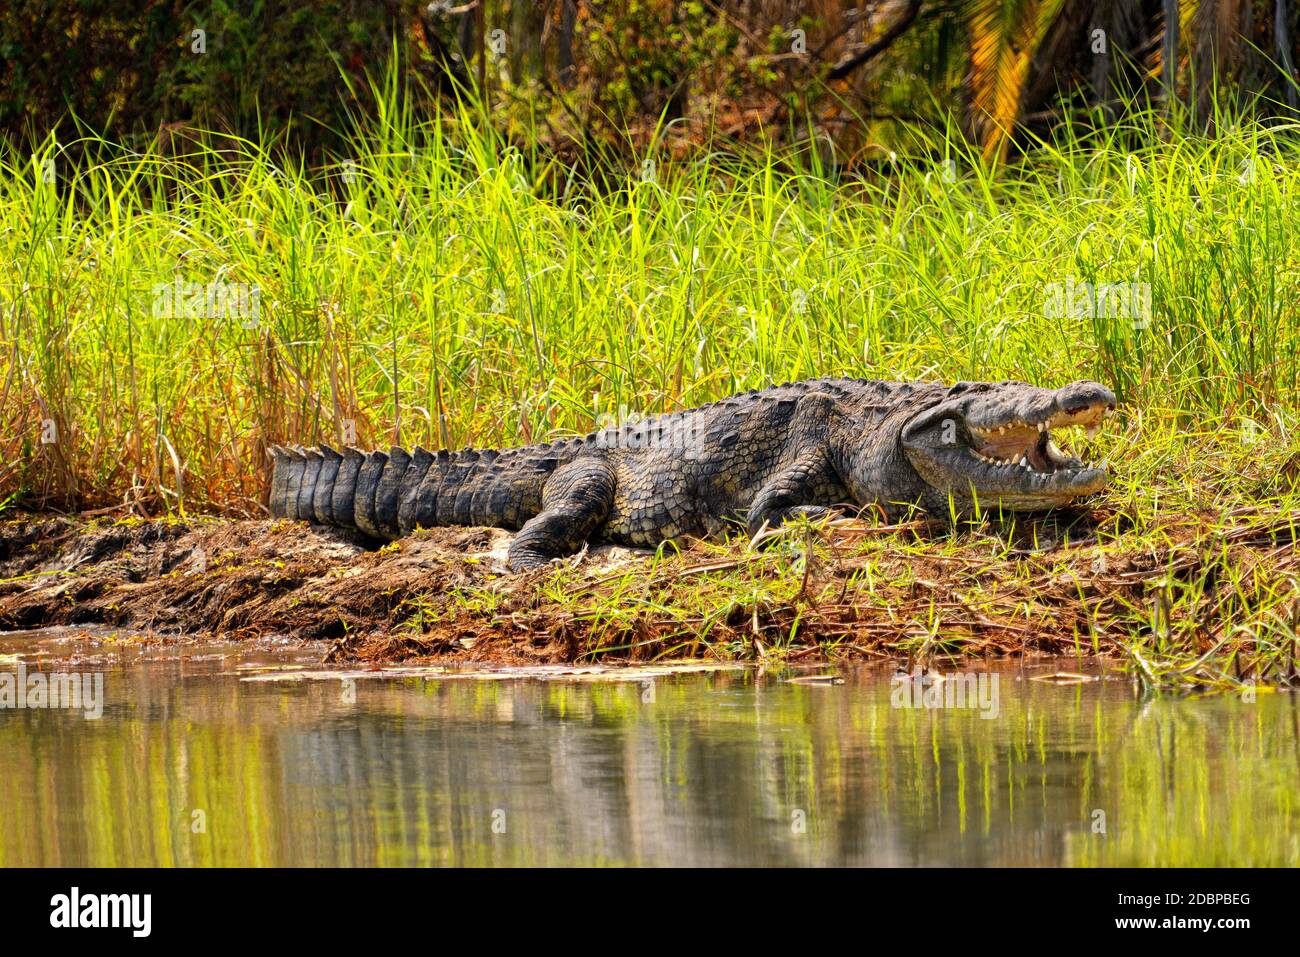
[(191, 766)]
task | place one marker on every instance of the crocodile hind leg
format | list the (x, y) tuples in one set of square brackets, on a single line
[(576, 500)]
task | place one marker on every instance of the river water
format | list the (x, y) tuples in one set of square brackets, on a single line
[(204, 756)]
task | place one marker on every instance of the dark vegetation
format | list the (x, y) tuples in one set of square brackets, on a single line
[(595, 80)]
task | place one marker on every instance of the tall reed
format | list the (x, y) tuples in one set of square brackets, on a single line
[(438, 286)]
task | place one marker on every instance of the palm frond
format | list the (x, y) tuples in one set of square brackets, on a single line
[(1005, 34)]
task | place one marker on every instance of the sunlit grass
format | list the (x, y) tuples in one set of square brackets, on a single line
[(436, 286)]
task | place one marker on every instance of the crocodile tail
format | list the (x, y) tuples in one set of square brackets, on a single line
[(293, 463), (326, 486), (279, 480), (307, 487), (390, 494), (343, 495), (363, 502), (408, 503), (323, 497)]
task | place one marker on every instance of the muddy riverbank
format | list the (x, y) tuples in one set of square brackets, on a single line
[(226, 579), (840, 593)]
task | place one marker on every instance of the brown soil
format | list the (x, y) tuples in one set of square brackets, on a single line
[(249, 578), (446, 593)]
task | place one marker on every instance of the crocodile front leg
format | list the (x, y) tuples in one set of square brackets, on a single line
[(807, 487), (575, 501)]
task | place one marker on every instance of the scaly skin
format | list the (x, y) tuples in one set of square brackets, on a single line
[(755, 459)]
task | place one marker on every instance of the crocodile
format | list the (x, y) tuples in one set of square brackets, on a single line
[(750, 462)]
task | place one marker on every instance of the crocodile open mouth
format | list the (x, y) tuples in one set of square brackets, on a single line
[(998, 444), (1031, 445)]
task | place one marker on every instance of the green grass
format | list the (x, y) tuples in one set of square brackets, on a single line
[(439, 287)]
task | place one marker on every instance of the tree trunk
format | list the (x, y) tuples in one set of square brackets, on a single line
[(568, 19), (480, 27), (1282, 37), (1170, 51)]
